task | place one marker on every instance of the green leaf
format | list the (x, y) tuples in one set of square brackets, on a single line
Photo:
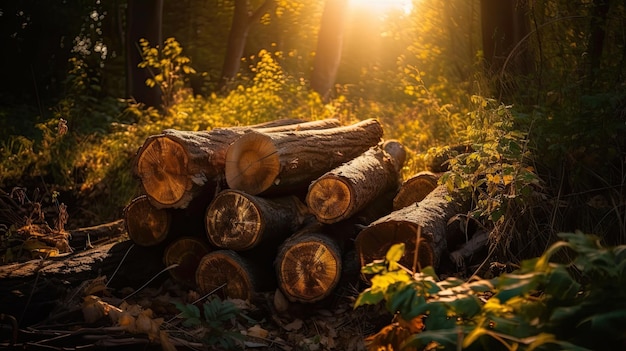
[(395, 253), (368, 297), (447, 338)]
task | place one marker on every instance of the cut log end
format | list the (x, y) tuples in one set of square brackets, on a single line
[(415, 189), (329, 198), (146, 225), (374, 242), (308, 269), (225, 273), (252, 163), (233, 221), (162, 167), (186, 253)]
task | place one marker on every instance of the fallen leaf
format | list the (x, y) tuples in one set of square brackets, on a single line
[(257, 332), (280, 302), (293, 326)]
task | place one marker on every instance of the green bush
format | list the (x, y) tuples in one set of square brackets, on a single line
[(544, 305)]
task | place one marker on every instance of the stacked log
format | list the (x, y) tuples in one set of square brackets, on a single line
[(282, 206), (177, 165)]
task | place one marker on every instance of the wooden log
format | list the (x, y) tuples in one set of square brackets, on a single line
[(174, 166), (146, 225), (239, 221), (278, 163), (421, 227), (309, 265), (415, 189), (186, 253), (232, 275), (342, 192)]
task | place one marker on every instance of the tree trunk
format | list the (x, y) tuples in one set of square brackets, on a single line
[(186, 253), (599, 12), (231, 275), (347, 189), (415, 189), (504, 24), (329, 47), (144, 19), (239, 221), (309, 265), (176, 166), (421, 227), (279, 163), (243, 19)]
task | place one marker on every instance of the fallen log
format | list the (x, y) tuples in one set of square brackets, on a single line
[(415, 189), (342, 192), (231, 275), (185, 253), (422, 227), (174, 166), (239, 221), (32, 289), (279, 163), (309, 265)]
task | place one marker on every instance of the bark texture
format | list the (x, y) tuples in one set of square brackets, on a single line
[(280, 163), (421, 227), (347, 189)]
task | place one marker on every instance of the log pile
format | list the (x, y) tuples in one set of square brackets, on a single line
[(283, 205)]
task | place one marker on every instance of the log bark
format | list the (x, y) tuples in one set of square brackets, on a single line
[(186, 253), (176, 165), (347, 189), (415, 189), (309, 265), (232, 275), (421, 227), (239, 221), (279, 163)]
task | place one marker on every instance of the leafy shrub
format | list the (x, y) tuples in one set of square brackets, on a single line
[(540, 306)]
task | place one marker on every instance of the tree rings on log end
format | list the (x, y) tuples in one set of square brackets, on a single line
[(308, 267), (226, 273), (162, 167), (373, 242), (233, 221), (146, 225), (252, 163), (415, 189), (329, 198), (186, 252)]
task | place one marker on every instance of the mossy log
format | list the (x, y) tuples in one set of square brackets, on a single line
[(415, 189), (309, 265), (422, 227), (280, 163), (239, 221), (347, 189), (231, 275), (176, 165)]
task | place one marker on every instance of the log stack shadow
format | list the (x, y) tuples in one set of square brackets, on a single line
[(283, 205)]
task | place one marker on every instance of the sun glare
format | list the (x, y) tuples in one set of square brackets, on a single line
[(384, 6)]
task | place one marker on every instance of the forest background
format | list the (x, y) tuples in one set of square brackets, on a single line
[(537, 88)]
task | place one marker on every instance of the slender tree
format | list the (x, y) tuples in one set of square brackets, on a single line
[(329, 46), (243, 19), (504, 24), (144, 18)]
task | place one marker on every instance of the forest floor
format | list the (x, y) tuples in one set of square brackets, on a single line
[(109, 294)]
